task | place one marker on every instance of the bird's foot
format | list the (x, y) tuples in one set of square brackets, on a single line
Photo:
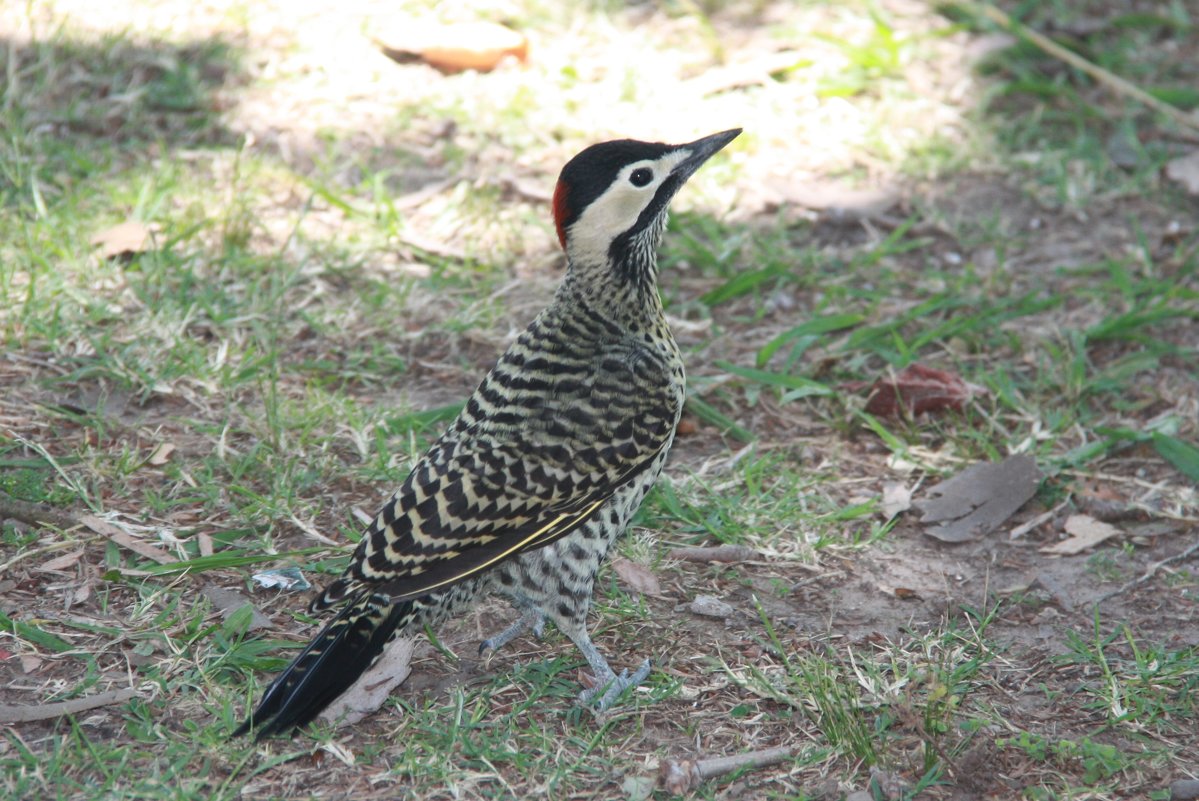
[(610, 687), (532, 619)]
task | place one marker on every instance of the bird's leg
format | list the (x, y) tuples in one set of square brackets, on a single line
[(531, 618), (609, 685)]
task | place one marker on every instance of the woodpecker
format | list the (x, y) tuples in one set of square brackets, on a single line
[(525, 492)]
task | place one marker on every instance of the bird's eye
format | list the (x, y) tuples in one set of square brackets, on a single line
[(641, 176)]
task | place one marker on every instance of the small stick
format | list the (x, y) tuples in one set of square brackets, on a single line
[(718, 553), (1108, 79), (1151, 572), (34, 514), (15, 713), (680, 776)]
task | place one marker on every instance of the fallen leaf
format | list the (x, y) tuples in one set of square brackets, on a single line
[(1085, 532), (1185, 170), (979, 498), (62, 562), (637, 577), (373, 687), (638, 788), (229, 601), (916, 389), (455, 47), (120, 537), (896, 498), (123, 239), (161, 454), (710, 606)]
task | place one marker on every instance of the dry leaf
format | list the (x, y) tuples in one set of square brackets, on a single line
[(455, 47), (161, 454), (1185, 170), (917, 389), (373, 687), (637, 577), (1085, 532), (896, 498), (979, 498), (229, 601), (123, 239), (62, 562), (127, 540), (710, 606)]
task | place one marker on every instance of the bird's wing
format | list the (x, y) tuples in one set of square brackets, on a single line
[(535, 454)]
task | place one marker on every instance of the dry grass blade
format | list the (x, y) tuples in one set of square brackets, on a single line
[(1105, 77)]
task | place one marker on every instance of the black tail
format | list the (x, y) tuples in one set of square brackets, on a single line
[(327, 667)]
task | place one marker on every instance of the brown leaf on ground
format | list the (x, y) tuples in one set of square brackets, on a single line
[(1085, 532), (896, 498), (62, 562), (455, 47), (161, 454), (979, 498), (637, 577), (127, 540), (374, 686), (710, 606), (228, 601), (123, 239), (916, 389), (1184, 170)]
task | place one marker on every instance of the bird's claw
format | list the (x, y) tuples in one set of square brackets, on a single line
[(615, 685), (531, 620)]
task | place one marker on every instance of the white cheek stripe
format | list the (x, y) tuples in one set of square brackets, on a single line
[(617, 209)]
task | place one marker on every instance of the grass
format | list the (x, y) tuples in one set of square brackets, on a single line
[(341, 245)]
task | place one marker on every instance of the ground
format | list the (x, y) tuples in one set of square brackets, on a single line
[(328, 250)]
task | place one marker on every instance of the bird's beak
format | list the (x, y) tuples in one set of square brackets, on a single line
[(701, 150)]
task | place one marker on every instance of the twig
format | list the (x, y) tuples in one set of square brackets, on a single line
[(34, 514), (1110, 80), (680, 776), (13, 713), (1151, 572), (718, 553)]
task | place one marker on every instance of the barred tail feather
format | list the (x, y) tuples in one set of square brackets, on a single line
[(326, 668)]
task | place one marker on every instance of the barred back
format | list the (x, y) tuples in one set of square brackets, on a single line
[(579, 406)]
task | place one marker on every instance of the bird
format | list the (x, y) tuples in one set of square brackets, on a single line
[(525, 492)]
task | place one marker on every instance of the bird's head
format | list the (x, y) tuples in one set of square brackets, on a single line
[(611, 201)]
